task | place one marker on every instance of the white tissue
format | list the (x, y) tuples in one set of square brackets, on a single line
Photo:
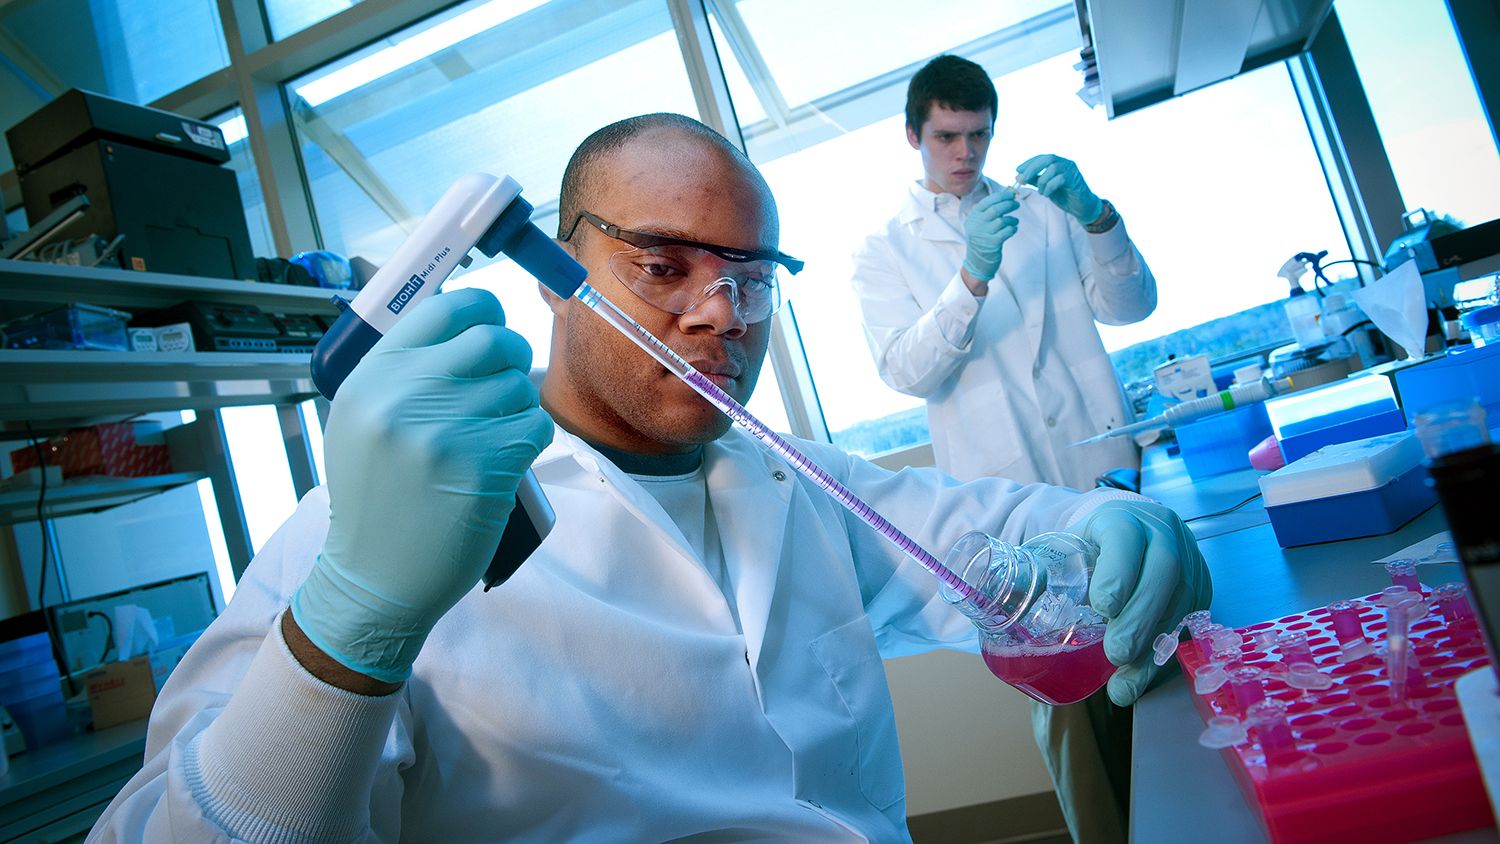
[(1397, 305), (135, 632)]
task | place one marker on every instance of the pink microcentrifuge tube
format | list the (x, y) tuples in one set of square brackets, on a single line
[(1245, 683), (1269, 720), (1293, 647), (1350, 631), (1453, 601), (1204, 639), (1404, 573)]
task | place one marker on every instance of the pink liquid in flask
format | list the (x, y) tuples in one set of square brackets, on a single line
[(1055, 674)]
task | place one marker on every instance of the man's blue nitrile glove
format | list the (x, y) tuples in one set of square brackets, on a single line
[(1058, 179), (425, 445), (1148, 576), (986, 230)]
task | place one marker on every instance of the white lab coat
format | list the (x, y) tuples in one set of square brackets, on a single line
[(604, 692), (1033, 377)]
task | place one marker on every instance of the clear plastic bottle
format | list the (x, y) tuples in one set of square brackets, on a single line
[(1037, 630)]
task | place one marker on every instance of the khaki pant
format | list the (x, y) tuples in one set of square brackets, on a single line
[(1086, 746)]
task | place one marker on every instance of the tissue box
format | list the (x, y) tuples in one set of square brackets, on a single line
[(1472, 373), (1363, 488), (114, 449), (121, 691)]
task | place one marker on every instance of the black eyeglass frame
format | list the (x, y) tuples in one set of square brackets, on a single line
[(644, 240)]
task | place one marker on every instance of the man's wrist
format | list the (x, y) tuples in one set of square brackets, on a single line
[(977, 287), (1106, 220), (324, 667)]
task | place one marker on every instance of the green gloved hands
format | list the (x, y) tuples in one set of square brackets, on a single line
[(1058, 179), (1148, 576), (986, 229), (425, 446)]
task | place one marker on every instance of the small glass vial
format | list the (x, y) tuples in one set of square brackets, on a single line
[(1037, 630)]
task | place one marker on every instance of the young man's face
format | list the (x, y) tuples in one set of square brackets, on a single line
[(600, 385), (953, 146)]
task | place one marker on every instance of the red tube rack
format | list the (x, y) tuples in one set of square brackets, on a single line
[(1364, 769)]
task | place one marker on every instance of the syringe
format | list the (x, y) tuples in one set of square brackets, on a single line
[(674, 364)]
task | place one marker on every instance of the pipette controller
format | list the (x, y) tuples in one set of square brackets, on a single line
[(1237, 395), (488, 213)]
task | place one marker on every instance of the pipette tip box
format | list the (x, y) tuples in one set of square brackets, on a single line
[(1363, 767), (1364, 488)]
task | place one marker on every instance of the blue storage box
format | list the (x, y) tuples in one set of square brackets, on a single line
[(1222, 442), (1347, 490), (1472, 373)]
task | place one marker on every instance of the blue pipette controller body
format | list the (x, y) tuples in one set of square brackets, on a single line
[(479, 211)]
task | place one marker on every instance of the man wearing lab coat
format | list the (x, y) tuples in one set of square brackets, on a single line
[(693, 652), (983, 301)]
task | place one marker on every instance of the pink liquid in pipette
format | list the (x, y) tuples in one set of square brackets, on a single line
[(1055, 674)]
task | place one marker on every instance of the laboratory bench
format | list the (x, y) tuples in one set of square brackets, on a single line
[(57, 792), (1181, 791)]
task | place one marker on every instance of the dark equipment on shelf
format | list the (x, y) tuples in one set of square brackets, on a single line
[(239, 328), (155, 177), (219, 328)]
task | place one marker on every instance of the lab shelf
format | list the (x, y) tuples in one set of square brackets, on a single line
[(43, 384), (90, 495), (34, 281)]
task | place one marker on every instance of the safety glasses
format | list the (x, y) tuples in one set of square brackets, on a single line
[(678, 275)]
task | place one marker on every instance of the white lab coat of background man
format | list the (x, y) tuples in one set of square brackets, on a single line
[(1011, 366)]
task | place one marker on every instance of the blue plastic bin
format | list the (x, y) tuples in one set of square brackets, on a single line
[(1222, 442)]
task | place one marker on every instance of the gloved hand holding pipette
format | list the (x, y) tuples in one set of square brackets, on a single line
[(425, 447), (1149, 574), (1058, 179)]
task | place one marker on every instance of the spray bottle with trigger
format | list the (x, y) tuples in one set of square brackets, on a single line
[(480, 211)]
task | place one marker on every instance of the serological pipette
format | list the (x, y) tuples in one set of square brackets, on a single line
[(1237, 395), (710, 391)]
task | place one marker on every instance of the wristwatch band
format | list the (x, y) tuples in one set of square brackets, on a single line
[(1107, 219)]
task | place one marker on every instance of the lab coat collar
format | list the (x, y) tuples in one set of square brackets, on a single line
[(919, 211)]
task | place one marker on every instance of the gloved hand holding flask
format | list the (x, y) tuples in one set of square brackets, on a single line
[(425, 446), (1068, 613)]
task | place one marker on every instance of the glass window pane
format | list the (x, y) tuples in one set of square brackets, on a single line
[(486, 87), (232, 124), (257, 454), (1423, 98), (135, 51), (815, 49), (1189, 176), (289, 17)]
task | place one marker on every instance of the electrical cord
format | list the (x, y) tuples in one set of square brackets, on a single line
[(1226, 511), (109, 632), (41, 592)]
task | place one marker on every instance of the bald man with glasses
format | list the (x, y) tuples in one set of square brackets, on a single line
[(693, 653)]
